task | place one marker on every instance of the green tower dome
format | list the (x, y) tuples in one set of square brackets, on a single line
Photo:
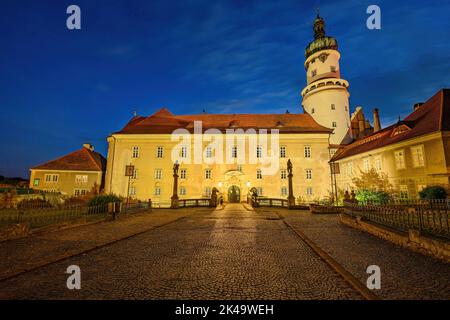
[(321, 41)]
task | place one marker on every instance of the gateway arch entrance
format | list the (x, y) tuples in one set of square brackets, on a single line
[(234, 194)]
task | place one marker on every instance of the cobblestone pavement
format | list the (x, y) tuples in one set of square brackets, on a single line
[(28, 252), (226, 254), (404, 274)]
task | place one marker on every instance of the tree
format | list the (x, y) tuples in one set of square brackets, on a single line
[(373, 181)]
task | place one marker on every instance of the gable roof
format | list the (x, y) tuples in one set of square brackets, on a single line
[(80, 160), (163, 121), (432, 116)]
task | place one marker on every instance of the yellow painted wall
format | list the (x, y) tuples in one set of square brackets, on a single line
[(66, 183), (223, 175), (436, 169)]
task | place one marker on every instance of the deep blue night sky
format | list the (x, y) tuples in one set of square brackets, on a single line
[(60, 88)]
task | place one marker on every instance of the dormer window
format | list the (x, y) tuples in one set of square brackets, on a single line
[(313, 73), (400, 129), (279, 124), (233, 124)]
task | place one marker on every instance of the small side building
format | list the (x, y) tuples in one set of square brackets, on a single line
[(74, 174), (413, 153)]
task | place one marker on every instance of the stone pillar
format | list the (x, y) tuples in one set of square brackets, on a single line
[(291, 198), (174, 202)]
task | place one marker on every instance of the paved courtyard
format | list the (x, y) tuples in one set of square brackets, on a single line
[(232, 253)]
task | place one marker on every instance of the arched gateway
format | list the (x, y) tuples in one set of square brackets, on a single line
[(234, 194)]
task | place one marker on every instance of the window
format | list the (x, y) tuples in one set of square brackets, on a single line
[(420, 187), (346, 108), (159, 152), (36, 182), (208, 152), (284, 191), (332, 68), (81, 178), (308, 174), (403, 188), (183, 173), (135, 174), (183, 153), (208, 192), (51, 178), (334, 124), (417, 156), (239, 168), (312, 111), (399, 159), (80, 192), (234, 152), (132, 191), (258, 151), (378, 165), (258, 174), (282, 152), (366, 164), (135, 152), (313, 73), (158, 174), (309, 191), (283, 174), (208, 174), (333, 106), (307, 152), (259, 191), (350, 168), (157, 191), (182, 191)]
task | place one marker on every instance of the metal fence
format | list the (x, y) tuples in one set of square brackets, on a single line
[(184, 203), (42, 217), (430, 217)]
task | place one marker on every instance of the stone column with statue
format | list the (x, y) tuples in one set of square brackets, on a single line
[(174, 202), (291, 198)]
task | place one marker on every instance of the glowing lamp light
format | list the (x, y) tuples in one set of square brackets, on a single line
[(248, 184), (220, 184)]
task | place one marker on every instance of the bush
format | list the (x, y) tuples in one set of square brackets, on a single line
[(433, 192), (75, 201), (367, 196), (34, 204), (104, 199)]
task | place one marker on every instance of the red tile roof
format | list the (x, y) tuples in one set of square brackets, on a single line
[(80, 160), (432, 116), (163, 121)]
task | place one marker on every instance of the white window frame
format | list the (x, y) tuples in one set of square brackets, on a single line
[(183, 174), (284, 191), (418, 156), (307, 152), (258, 174), (283, 152), (399, 158), (308, 174), (135, 152), (208, 174), (81, 178), (158, 174), (159, 152), (283, 174)]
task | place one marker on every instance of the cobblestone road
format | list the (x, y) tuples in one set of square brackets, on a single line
[(404, 273), (227, 254)]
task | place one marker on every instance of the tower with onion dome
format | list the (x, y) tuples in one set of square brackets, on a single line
[(326, 96)]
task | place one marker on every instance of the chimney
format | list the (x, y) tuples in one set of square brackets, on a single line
[(417, 105), (376, 120), (88, 146)]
